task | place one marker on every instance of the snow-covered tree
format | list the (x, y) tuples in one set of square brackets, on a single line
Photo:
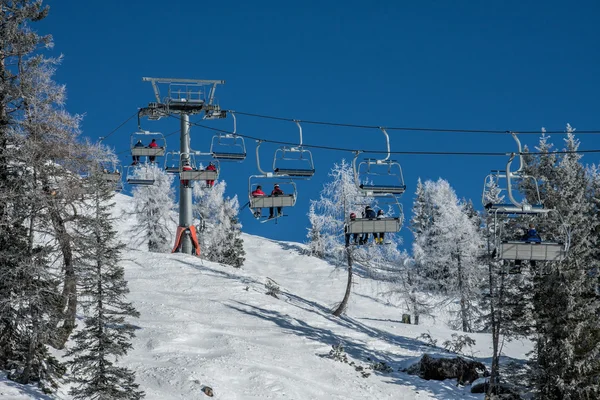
[(220, 236), (40, 162), (446, 251), (326, 236), (106, 335), (153, 208), (565, 302)]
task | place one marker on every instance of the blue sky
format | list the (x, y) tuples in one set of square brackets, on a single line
[(471, 65)]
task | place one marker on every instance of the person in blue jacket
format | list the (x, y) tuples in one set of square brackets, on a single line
[(531, 236)]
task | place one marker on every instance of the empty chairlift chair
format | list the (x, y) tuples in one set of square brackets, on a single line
[(379, 177), (228, 146), (294, 161)]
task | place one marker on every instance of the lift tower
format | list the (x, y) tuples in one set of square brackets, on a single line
[(185, 97)]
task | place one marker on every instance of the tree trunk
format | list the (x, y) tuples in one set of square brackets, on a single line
[(68, 306), (495, 373), (463, 301), (342, 307)]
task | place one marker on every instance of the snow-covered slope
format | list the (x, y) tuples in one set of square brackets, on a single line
[(206, 324)]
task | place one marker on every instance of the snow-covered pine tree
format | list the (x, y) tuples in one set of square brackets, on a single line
[(153, 208), (106, 334), (566, 303), (447, 251), (221, 239), (338, 199), (32, 123), (412, 278)]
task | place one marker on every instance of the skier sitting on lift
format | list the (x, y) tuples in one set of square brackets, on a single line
[(531, 236), (211, 167), (379, 240), (276, 192), (136, 159), (369, 214), (258, 193), (354, 235), (152, 145), (186, 167)]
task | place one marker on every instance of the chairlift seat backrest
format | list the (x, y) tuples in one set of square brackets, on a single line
[(545, 251), (140, 181), (112, 176), (148, 151), (284, 200), (384, 189), (297, 172), (229, 156), (512, 209), (199, 175), (371, 225)]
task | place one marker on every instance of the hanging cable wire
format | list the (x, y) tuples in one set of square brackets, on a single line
[(432, 153), (118, 127), (408, 129)]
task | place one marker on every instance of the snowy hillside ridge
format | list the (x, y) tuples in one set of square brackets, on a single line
[(202, 323)]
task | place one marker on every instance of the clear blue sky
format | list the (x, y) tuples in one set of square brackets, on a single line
[(478, 65)]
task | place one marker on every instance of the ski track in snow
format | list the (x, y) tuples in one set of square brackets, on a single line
[(203, 323)]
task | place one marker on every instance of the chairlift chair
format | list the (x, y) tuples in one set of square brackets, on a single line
[(172, 162), (369, 172), (532, 250), (135, 176), (112, 173), (268, 201), (377, 225), (286, 200), (197, 174), (148, 151), (294, 161), (521, 250), (228, 146)]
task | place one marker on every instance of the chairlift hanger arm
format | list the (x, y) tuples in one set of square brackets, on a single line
[(520, 149), (258, 159), (387, 140), (300, 129)]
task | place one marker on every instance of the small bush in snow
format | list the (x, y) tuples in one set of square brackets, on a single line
[(458, 343), (272, 288), (429, 341), (337, 353)]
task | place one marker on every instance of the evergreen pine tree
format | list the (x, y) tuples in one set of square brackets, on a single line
[(153, 208), (220, 239), (106, 335)]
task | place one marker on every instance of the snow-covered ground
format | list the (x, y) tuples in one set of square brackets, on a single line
[(206, 324)]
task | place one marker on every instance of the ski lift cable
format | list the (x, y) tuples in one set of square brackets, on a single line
[(413, 129), (118, 127), (432, 153)]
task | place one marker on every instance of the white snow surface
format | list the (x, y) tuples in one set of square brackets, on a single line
[(207, 324)]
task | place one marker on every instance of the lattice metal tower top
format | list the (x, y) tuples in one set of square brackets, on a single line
[(184, 96)]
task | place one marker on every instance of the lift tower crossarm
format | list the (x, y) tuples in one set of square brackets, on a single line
[(199, 82)]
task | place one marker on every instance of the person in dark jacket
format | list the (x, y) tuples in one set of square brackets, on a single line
[(136, 159), (531, 235), (369, 214), (276, 192), (354, 235)]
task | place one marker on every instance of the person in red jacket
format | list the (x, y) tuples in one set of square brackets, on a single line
[(276, 192), (186, 167), (211, 167), (258, 193), (152, 145)]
